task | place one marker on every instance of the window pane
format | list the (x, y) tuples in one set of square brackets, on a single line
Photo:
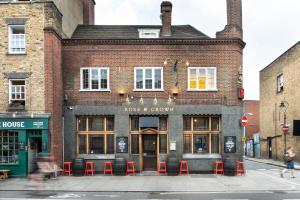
[(134, 120), (187, 124), (163, 144), (211, 79), (9, 149), (96, 124), (82, 124), (200, 143), (163, 122), (109, 123), (104, 79), (201, 79), (157, 78), (96, 144), (110, 142), (139, 79), (135, 144), (95, 79), (82, 144), (200, 123), (85, 81), (193, 80), (187, 141), (214, 143), (215, 124), (148, 80)]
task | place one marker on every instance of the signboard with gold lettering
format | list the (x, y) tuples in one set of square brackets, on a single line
[(149, 109)]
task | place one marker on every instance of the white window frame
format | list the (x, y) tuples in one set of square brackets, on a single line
[(90, 79), (10, 91), (280, 83), (143, 32), (206, 82), (153, 79), (10, 35)]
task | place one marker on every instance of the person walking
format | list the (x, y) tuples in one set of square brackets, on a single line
[(290, 163)]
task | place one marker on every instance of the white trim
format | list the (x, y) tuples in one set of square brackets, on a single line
[(90, 79), (10, 39), (10, 92), (153, 79), (206, 76), (155, 33)]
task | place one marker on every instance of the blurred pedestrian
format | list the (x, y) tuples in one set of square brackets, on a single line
[(290, 163)]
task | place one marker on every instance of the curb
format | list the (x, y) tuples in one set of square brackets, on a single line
[(269, 163)]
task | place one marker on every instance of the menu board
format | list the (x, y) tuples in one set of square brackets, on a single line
[(122, 144), (230, 144)]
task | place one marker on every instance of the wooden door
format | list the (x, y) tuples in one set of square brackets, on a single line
[(149, 152)]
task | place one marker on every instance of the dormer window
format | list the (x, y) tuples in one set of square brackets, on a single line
[(148, 33)]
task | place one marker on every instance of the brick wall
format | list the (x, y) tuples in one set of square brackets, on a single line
[(88, 12), (123, 58), (252, 111), (54, 91)]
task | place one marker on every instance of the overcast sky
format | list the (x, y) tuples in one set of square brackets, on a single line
[(270, 26)]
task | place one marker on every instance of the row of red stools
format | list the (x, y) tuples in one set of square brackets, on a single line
[(90, 168), (162, 168), (219, 167)]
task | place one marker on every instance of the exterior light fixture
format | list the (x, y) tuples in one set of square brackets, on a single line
[(121, 91), (14, 115), (127, 100), (31, 114), (155, 101), (169, 100), (141, 100)]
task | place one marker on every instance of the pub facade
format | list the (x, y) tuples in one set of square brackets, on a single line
[(146, 92)]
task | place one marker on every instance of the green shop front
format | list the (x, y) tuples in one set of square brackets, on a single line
[(22, 140)]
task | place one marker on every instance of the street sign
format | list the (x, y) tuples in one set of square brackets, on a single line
[(244, 120), (285, 128)]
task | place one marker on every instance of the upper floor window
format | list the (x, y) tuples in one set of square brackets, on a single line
[(148, 78), (16, 39), (148, 33), (202, 78), (94, 79), (17, 93), (280, 83)]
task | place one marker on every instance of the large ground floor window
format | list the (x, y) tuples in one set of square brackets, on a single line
[(9, 149), (95, 135), (201, 134)]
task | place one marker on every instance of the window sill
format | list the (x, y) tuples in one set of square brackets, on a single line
[(97, 156), (201, 156), (95, 90), (212, 90), (16, 54), (145, 90)]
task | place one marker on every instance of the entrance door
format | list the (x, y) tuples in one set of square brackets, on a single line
[(150, 152), (35, 147)]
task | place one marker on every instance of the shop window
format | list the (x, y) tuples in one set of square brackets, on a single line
[(135, 144), (100, 131), (202, 78), (163, 123), (163, 143), (16, 39), (200, 143), (148, 79), (9, 149), (199, 136), (17, 93), (134, 123), (94, 79)]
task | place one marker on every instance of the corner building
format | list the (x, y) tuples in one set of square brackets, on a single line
[(145, 92)]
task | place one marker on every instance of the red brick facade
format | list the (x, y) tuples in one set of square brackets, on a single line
[(226, 56), (88, 12), (54, 92), (252, 111)]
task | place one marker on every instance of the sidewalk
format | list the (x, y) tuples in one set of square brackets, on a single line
[(252, 181), (271, 162)]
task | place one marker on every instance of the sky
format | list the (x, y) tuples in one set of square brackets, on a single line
[(270, 26)]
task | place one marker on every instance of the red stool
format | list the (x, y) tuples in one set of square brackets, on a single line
[(67, 168), (162, 168), (108, 167), (184, 167), (89, 167), (240, 168), (131, 167), (219, 167)]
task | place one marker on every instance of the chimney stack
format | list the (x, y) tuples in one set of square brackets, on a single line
[(234, 27), (88, 12), (166, 18)]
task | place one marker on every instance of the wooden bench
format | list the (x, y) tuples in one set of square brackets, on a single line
[(4, 174)]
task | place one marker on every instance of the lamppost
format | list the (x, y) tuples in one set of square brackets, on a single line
[(283, 106)]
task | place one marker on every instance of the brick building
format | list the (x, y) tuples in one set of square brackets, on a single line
[(280, 96), (31, 89), (148, 91)]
